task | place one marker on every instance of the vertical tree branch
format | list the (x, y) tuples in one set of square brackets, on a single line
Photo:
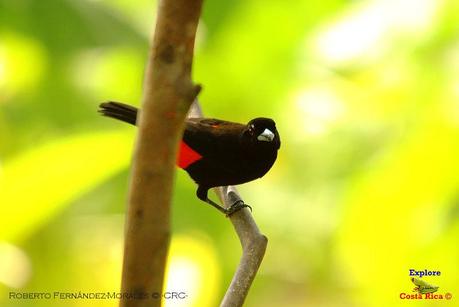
[(168, 94), (252, 240)]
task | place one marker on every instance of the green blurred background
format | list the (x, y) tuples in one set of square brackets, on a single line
[(366, 98)]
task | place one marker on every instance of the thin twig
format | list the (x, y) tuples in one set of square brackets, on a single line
[(168, 94), (252, 240)]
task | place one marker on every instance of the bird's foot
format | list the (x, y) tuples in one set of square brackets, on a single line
[(238, 205)]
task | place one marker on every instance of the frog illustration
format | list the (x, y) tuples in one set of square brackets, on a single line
[(422, 286)]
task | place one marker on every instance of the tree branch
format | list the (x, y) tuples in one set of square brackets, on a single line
[(252, 240), (168, 94)]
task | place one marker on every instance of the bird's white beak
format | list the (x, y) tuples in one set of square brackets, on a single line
[(266, 136)]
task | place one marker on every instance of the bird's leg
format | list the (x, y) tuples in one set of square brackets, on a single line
[(216, 206), (201, 193), (238, 205)]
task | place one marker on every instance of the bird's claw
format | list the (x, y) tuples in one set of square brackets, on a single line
[(238, 205)]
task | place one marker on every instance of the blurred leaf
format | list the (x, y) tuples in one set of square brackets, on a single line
[(64, 25), (22, 63), (37, 184), (256, 52)]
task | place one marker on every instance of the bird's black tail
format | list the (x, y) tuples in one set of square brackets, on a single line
[(120, 111)]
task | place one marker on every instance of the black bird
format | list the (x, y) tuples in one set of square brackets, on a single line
[(216, 152)]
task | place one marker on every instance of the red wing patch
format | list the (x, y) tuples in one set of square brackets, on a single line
[(186, 155)]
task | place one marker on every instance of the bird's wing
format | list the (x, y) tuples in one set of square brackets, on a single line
[(212, 137)]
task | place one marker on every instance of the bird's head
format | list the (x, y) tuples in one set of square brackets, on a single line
[(262, 132)]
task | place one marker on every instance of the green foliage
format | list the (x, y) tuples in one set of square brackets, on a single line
[(364, 94), (38, 182)]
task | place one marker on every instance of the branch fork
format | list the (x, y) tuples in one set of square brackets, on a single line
[(168, 94)]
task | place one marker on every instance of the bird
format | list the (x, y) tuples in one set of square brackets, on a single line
[(217, 152)]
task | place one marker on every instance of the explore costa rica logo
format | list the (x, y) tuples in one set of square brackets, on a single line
[(424, 289)]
